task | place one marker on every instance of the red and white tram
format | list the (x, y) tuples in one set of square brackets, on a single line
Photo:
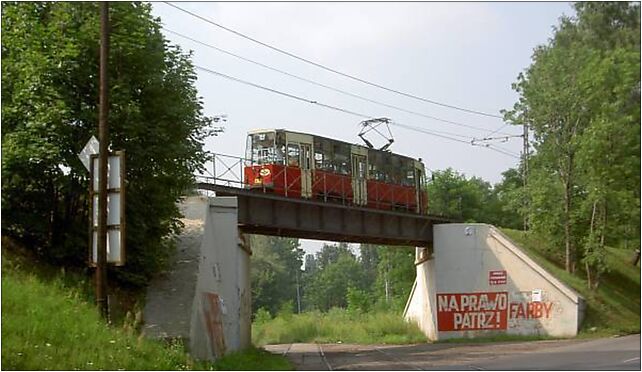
[(300, 165)]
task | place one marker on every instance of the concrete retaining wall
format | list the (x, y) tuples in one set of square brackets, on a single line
[(479, 283)]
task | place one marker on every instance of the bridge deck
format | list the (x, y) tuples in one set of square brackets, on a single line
[(268, 214)]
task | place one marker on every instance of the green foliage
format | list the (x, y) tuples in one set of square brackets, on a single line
[(358, 301), (396, 274), (262, 315), (49, 111), (338, 271), (338, 325), (276, 266), (613, 307), (49, 323), (46, 326), (452, 195), (581, 99), (286, 310)]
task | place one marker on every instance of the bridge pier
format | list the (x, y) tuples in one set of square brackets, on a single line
[(221, 310)]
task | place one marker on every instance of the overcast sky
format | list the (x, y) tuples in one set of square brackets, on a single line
[(461, 54)]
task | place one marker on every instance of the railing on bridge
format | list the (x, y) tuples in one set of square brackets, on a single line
[(229, 171)]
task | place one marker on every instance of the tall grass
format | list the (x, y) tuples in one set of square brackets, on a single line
[(337, 325), (44, 326), (48, 325)]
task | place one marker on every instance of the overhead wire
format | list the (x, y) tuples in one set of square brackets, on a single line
[(445, 135), (324, 85), (409, 95), (309, 100)]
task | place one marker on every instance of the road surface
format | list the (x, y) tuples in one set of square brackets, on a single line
[(618, 353)]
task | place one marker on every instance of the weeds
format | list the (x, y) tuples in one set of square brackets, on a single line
[(337, 325)]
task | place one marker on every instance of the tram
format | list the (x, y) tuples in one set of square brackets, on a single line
[(300, 165)]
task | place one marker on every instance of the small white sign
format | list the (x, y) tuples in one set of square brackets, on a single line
[(91, 148), (536, 295)]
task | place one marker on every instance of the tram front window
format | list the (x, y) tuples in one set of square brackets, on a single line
[(261, 149)]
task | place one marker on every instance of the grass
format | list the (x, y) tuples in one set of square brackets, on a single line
[(614, 308), (47, 324), (337, 325)]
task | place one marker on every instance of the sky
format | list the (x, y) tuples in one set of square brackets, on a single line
[(460, 54)]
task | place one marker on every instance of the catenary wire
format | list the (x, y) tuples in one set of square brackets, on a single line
[(326, 86), (435, 132), (331, 69), (301, 99)]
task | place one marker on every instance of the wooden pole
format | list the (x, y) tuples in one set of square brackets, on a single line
[(103, 138)]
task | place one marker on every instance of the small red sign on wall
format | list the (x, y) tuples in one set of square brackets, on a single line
[(497, 277)]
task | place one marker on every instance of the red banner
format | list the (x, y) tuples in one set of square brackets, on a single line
[(472, 311)]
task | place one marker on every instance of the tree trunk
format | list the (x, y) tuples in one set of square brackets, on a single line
[(589, 278), (570, 254)]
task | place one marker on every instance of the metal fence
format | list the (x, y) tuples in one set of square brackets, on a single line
[(228, 170)]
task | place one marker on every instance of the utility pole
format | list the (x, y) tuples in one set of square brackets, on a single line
[(103, 138), (525, 154)]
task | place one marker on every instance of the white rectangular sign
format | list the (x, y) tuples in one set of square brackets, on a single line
[(115, 209)]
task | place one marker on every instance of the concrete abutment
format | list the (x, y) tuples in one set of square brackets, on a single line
[(477, 283), (221, 310)]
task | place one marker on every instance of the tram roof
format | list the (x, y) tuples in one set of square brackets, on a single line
[(264, 130)]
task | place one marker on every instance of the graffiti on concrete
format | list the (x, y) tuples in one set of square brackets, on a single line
[(472, 311), (486, 310)]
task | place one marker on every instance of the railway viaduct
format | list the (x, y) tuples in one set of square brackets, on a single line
[(221, 311), (471, 279)]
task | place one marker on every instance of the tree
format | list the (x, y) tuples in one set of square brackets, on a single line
[(451, 194), (329, 286), (49, 111), (581, 99), (369, 259), (396, 275), (276, 268), (509, 194)]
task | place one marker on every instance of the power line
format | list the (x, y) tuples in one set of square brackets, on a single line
[(434, 132), (323, 85), (331, 69), (292, 96)]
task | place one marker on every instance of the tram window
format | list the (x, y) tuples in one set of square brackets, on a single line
[(410, 177), (318, 160), (341, 158), (318, 154), (376, 166), (262, 148), (362, 169), (293, 154)]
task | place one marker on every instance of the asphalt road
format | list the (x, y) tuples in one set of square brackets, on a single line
[(619, 353)]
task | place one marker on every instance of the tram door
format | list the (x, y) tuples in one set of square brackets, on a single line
[(302, 154), (359, 175), (306, 170)]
